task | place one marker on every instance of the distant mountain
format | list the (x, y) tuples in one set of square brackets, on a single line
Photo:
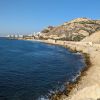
[(74, 30)]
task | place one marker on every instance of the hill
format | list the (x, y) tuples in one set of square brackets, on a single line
[(74, 30)]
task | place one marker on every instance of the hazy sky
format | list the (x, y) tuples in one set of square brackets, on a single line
[(27, 16)]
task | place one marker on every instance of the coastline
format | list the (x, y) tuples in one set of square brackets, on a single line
[(87, 87)]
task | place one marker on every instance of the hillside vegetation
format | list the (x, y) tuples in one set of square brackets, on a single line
[(74, 30)]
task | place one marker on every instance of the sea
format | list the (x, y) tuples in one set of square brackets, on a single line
[(31, 70)]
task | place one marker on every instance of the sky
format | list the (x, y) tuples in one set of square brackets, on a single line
[(29, 16)]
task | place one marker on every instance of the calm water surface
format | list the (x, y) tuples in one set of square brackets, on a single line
[(29, 70)]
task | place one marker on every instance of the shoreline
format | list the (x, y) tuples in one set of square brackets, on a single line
[(87, 86), (60, 95)]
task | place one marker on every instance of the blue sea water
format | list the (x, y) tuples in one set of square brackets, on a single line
[(30, 70)]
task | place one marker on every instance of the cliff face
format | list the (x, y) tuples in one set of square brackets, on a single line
[(74, 30)]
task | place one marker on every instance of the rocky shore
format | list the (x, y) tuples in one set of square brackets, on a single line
[(88, 87)]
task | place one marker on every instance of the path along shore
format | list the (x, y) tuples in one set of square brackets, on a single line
[(89, 86)]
